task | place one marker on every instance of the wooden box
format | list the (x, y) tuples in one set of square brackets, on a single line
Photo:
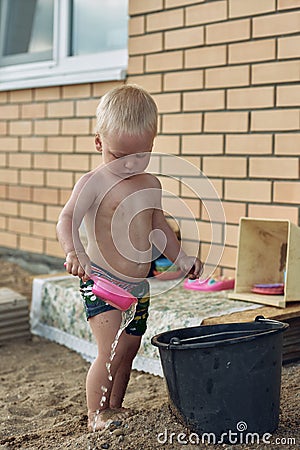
[(268, 252)]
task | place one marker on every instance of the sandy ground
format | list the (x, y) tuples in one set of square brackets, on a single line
[(42, 400)]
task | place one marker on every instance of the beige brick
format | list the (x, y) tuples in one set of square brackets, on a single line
[(22, 193), (275, 120), (32, 177), (275, 72), (288, 95), (8, 112), (166, 144), (8, 144), (59, 179), (182, 123), (33, 111), (45, 161), (229, 257), (274, 212), (246, 190), (287, 144), (232, 235), (52, 213), (167, 102), (60, 109), (169, 185), (206, 13), (19, 225), (187, 80), (144, 6), (261, 50), (3, 128), (203, 101), (45, 195), (60, 144), (249, 98), (46, 127), (206, 56), (147, 43), (288, 4), (3, 191), (274, 167), (32, 211), (9, 208), (187, 208), (225, 121), (10, 239), (231, 31), (202, 144), (164, 61), (47, 93), (9, 176), (136, 25), (164, 20), (225, 166), (29, 243), (76, 91), (53, 248), (20, 127), (227, 76), (3, 96), (84, 144), (287, 192), (33, 144), (277, 24), (187, 37), (238, 8), (75, 126), (21, 95), (135, 65), (249, 144), (289, 47), (3, 158), (3, 224), (74, 162), (64, 195), (86, 108), (234, 211), (152, 83), (21, 160), (99, 89), (174, 3), (44, 229)]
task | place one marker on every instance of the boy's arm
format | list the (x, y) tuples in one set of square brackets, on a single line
[(82, 197), (173, 250), (169, 245)]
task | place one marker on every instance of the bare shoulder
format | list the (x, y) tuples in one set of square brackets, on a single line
[(151, 180)]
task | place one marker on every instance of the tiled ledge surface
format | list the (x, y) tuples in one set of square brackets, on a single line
[(57, 313)]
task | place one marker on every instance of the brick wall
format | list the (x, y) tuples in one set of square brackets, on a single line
[(46, 144), (225, 75)]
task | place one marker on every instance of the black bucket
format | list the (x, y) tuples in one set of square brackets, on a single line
[(224, 379)]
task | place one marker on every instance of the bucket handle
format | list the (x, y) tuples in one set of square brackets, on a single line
[(272, 321), (177, 341)]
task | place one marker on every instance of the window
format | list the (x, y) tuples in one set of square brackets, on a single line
[(48, 42)]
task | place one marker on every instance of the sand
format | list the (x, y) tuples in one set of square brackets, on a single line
[(42, 400)]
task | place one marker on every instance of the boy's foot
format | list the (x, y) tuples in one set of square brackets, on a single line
[(102, 419)]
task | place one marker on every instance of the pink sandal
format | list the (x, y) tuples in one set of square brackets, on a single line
[(209, 285)]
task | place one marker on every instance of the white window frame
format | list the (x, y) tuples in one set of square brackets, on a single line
[(63, 69)]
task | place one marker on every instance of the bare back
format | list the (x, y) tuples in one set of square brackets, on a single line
[(119, 223)]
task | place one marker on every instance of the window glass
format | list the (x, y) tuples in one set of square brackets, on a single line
[(98, 26), (26, 31)]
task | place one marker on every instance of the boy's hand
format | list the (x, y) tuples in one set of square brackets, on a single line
[(192, 266), (78, 264)]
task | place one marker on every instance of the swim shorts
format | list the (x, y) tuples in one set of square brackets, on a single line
[(95, 305)]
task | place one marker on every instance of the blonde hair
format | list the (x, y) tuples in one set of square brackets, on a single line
[(126, 109)]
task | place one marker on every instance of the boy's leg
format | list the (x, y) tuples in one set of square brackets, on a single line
[(128, 347), (104, 327)]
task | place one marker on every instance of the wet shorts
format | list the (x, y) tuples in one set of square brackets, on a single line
[(95, 305)]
